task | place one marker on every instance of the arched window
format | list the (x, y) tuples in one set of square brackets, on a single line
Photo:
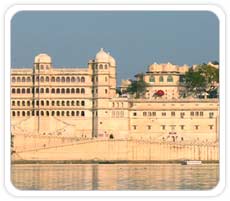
[(72, 103), (53, 113), (77, 90), (72, 113), (41, 67), (100, 66), (47, 90), (63, 79), (28, 113), (23, 79), (82, 113), (28, 79), (72, 91), (28, 103), (18, 79), (82, 90), (18, 90), (13, 90), (47, 79), (53, 91), (83, 103), (47, 67), (42, 113), (63, 103), (78, 79), (67, 90), (18, 103), (23, 90), (67, 113), (13, 103), (37, 78), (42, 90), (72, 79), (58, 91), (58, 103), (13, 79), (37, 90), (67, 79), (161, 79), (106, 66), (42, 79), (77, 113), (28, 90), (23, 103), (82, 79), (63, 90), (62, 113), (37, 103), (42, 102), (52, 79), (47, 113), (67, 103), (47, 103), (151, 78), (57, 79), (18, 113), (106, 79), (170, 78), (13, 113), (53, 103), (58, 113), (23, 113), (77, 103)]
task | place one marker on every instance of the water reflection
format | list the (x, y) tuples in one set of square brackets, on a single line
[(115, 177)]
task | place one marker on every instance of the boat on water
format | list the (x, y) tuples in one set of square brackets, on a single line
[(191, 162)]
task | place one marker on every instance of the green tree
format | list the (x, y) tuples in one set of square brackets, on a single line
[(200, 80), (138, 87)]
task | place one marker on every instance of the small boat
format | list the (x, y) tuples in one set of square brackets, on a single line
[(191, 162)]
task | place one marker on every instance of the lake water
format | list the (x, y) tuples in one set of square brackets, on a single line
[(115, 176)]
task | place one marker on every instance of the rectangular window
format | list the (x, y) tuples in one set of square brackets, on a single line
[(134, 127), (210, 127), (153, 113), (163, 127), (163, 114), (134, 114), (144, 114), (182, 127), (201, 114), (149, 127), (173, 114), (196, 127), (197, 113), (191, 113), (211, 114)]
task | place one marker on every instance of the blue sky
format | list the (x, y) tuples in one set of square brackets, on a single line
[(134, 38)]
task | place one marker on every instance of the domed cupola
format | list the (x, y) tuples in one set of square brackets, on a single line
[(43, 58), (102, 56), (112, 60)]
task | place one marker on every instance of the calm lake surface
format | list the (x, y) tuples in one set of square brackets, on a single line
[(115, 176)]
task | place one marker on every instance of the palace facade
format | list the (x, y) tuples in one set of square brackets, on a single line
[(82, 103)]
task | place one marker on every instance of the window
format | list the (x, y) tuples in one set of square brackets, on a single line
[(196, 127), (52, 79), (23, 90), (13, 103), (23, 113), (41, 67), (67, 90), (149, 127), (63, 103), (68, 79), (191, 113), (52, 113), (106, 91), (161, 79), (67, 103), (62, 90), (72, 91), (182, 114), (57, 79), (170, 78), (153, 113), (77, 113), (13, 79), (28, 79), (210, 127), (72, 113), (62, 113), (18, 90), (72, 103), (134, 114), (42, 90), (72, 79), (18, 79), (201, 113), (134, 127), (28, 103), (82, 79), (82, 90), (42, 79), (197, 113), (173, 114), (58, 91), (18, 103), (77, 103), (28, 90), (100, 66), (42, 103), (106, 79), (163, 114), (151, 78), (58, 103), (13, 91), (53, 91), (67, 113), (23, 79), (82, 113), (13, 113), (144, 114), (58, 113), (83, 103), (47, 103), (23, 103), (77, 90), (28, 113), (63, 79), (106, 66), (47, 79), (163, 127), (53, 103), (182, 127), (37, 90), (78, 79), (47, 90), (47, 113), (18, 113), (211, 114)]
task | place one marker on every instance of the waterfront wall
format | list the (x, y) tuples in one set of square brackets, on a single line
[(132, 150)]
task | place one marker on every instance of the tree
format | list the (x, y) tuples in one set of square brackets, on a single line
[(138, 87)]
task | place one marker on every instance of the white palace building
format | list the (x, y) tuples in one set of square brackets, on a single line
[(82, 103)]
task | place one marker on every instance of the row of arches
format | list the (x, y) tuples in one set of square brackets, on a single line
[(100, 66), (48, 79), (48, 90), (161, 78), (48, 113), (48, 103)]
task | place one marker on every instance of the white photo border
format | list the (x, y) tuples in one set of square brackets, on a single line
[(222, 55)]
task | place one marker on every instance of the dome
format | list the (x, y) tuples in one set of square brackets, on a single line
[(42, 58), (102, 56)]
